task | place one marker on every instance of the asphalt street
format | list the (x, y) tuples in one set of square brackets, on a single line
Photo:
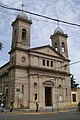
[(71, 115)]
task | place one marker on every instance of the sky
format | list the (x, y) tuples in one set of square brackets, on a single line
[(41, 29)]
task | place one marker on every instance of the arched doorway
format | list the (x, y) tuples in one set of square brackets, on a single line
[(48, 93)]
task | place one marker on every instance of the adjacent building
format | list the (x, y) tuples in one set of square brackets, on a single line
[(75, 96)]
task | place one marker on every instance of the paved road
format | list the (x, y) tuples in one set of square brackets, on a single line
[(40, 116)]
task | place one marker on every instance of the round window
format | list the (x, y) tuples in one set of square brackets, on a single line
[(23, 59)]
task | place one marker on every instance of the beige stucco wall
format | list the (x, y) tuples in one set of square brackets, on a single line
[(21, 78), (78, 94)]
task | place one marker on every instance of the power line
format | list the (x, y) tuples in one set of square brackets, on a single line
[(39, 15), (74, 62), (68, 65)]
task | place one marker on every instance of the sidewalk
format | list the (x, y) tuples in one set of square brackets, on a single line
[(41, 111), (28, 111)]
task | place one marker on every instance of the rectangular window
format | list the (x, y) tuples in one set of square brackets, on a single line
[(47, 62), (44, 62), (51, 63), (74, 97), (22, 89), (17, 89)]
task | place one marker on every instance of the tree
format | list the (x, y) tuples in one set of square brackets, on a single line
[(1, 46), (74, 85)]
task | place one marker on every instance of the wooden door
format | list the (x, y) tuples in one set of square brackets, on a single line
[(48, 96)]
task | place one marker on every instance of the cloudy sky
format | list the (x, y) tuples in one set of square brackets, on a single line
[(67, 10)]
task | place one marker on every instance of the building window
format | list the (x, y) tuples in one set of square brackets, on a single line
[(74, 97), (66, 92), (63, 47), (59, 85), (23, 34), (51, 63), (47, 62), (15, 37), (24, 37), (35, 96), (15, 32), (35, 87), (44, 62), (55, 47), (22, 89), (35, 91), (17, 89), (12, 60)]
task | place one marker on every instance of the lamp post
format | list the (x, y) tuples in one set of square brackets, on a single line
[(52, 103), (52, 97), (57, 101), (58, 98)]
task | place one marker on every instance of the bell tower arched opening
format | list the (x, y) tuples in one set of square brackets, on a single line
[(63, 47)]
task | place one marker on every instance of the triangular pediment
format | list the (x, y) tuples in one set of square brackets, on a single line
[(48, 50)]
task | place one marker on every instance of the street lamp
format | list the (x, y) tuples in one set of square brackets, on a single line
[(57, 101), (56, 93), (52, 98), (52, 104)]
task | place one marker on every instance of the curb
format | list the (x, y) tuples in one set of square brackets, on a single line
[(30, 113)]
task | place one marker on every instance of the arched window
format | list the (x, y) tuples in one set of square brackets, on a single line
[(63, 47), (60, 89), (15, 32), (23, 34), (24, 37), (35, 91), (35, 87), (55, 46)]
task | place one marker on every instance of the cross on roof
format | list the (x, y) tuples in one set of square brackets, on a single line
[(22, 6)]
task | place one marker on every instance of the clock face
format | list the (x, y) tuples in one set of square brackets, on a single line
[(24, 43)]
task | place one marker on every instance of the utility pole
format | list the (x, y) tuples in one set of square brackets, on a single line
[(56, 94)]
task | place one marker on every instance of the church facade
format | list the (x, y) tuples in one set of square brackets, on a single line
[(39, 74)]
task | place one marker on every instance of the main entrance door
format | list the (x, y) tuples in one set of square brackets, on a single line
[(48, 96)]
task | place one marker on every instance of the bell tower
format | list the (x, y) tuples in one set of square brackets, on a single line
[(59, 41), (21, 32), (20, 39)]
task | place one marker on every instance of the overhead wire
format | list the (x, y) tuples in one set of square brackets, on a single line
[(42, 16)]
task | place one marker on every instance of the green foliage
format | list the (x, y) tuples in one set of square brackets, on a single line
[(1, 46), (74, 85)]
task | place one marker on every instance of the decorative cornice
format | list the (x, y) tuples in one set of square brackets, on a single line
[(57, 34), (27, 21), (17, 48)]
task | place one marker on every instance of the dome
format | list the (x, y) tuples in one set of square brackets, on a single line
[(22, 16), (58, 30)]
